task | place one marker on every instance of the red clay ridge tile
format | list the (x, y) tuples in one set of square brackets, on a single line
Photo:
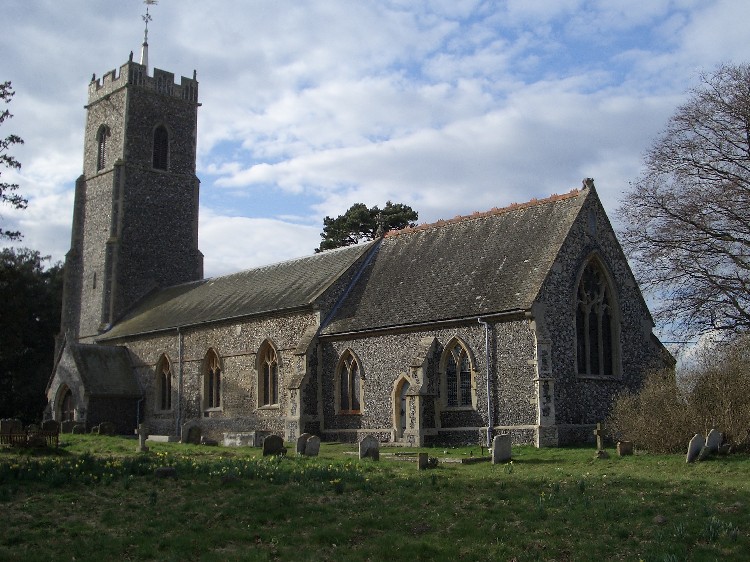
[(492, 212)]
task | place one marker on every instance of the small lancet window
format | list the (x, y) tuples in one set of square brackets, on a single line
[(269, 376), (212, 380), (594, 323), (350, 384), (164, 383), (458, 385), (102, 137), (161, 148)]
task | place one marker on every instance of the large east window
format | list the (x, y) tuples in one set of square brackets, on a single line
[(595, 323)]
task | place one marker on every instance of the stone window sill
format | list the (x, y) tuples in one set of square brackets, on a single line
[(269, 407), (598, 377), (350, 412)]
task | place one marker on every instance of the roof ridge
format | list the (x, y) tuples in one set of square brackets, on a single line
[(482, 214)]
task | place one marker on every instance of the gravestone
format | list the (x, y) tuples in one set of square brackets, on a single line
[(312, 446), (209, 442), (624, 448), (501, 449), (79, 428), (369, 447), (240, 439), (600, 452), (142, 436), (273, 445), (713, 441), (694, 447), (106, 428), (301, 442), (51, 426), (67, 426), (422, 461), (192, 435), (9, 425)]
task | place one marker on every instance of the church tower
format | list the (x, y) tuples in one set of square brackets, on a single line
[(135, 220)]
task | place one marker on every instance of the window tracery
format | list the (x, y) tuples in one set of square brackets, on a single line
[(212, 380), (350, 384), (595, 333), (268, 391)]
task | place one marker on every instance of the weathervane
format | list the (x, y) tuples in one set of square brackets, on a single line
[(146, 18)]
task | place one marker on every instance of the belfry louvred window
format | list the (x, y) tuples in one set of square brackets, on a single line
[(101, 147), (161, 148), (594, 323)]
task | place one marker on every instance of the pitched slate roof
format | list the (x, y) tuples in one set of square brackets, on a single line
[(105, 370), (282, 286), (471, 266)]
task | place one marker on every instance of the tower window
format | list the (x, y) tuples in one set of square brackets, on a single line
[(101, 147), (161, 148)]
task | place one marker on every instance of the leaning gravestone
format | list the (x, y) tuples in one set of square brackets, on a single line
[(694, 447), (369, 447), (273, 445), (500, 449), (312, 446), (302, 442), (713, 441), (423, 460)]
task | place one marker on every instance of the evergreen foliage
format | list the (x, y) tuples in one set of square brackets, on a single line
[(361, 223), (30, 308)]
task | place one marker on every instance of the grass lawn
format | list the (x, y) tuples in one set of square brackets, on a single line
[(96, 499)]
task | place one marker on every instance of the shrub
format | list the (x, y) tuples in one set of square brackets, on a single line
[(655, 418), (662, 417)]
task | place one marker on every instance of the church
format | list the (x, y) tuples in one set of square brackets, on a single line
[(524, 320)]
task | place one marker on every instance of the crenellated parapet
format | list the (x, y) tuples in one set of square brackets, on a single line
[(135, 74)]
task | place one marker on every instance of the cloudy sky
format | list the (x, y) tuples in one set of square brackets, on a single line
[(309, 106)]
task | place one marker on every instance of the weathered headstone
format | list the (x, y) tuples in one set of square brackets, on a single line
[(51, 426), (501, 449), (624, 448), (273, 445), (422, 460), (240, 439), (301, 442), (106, 428), (67, 426), (165, 472), (142, 436), (312, 447), (694, 447), (209, 442), (10, 425), (713, 441), (79, 428), (600, 452), (193, 435), (369, 447)]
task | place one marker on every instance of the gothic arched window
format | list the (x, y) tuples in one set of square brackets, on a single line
[(101, 147), (458, 376), (349, 376), (595, 323), (161, 148), (212, 380), (164, 383), (268, 376)]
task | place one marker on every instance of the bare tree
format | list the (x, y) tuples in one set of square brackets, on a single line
[(7, 190), (688, 216)]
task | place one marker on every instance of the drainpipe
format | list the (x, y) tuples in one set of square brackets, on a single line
[(179, 383), (490, 421)]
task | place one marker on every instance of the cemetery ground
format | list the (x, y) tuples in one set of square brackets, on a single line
[(95, 498)]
